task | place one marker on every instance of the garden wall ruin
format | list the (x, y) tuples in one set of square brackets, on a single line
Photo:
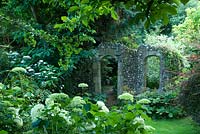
[(131, 68)]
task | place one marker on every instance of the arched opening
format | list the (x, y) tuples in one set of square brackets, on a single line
[(152, 72), (109, 76)]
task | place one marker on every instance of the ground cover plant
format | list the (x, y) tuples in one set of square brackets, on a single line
[(163, 105)]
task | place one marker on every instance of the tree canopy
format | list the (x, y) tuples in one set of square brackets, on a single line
[(69, 26)]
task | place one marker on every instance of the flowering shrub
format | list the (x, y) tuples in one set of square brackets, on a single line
[(62, 114), (126, 96), (17, 95), (44, 74)]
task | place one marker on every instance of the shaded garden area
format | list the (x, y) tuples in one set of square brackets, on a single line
[(99, 67)]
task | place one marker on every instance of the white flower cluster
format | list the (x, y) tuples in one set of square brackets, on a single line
[(1, 86), (82, 85), (126, 96), (52, 108), (36, 112), (16, 117), (144, 101), (19, 69), (140, 122), (55, 96), (49, 102), (103, 107), (90, 126), (65, 115), (77, 101)]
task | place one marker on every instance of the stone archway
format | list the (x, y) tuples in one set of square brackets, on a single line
[(143, 53), (102, 51), (147, 69)]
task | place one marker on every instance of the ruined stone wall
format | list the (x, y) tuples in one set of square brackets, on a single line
[(129, 69), (131, 65)]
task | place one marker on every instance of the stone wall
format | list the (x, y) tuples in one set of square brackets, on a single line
[(131, 64)]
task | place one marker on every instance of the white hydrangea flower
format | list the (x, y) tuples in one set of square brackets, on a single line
[(55, 96), (90, 126), (55, 111), (16, 88), (16, 116), (104, 109), (77, 101), (100, 104), (27, 57), (40, 61), (49, 102), (29, 94), (126, 96), (19, 69), (77, 109), (1, 86), (65, 115), (138, 120), (19, 121), (36, 111), (144, 101), (82, 85)]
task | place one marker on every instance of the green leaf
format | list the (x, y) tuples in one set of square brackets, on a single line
[(114, 15), (165, 19), (147, 23), (130, 107), (64, 18), (73, 8), (184, 1), (84, 1), (168, 9), (87, 8), (57, 25), (77, 1), (177, 2), (85, 22)]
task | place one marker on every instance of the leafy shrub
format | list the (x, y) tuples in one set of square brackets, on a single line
[(62, 114), (162, 105), (45, 75), (188, 33), (4, 60), (190, 96), (17, 96)]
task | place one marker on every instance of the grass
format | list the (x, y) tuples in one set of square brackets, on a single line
[(179, 126)]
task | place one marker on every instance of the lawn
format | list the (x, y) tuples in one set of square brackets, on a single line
[(180, 126)]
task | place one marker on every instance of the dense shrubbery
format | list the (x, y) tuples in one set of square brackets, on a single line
[(188, 33), (62, 114), (27, 108), (162, 105), (190, 96), (16, 102)]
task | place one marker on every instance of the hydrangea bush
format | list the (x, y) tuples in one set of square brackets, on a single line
[(62, 114)]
